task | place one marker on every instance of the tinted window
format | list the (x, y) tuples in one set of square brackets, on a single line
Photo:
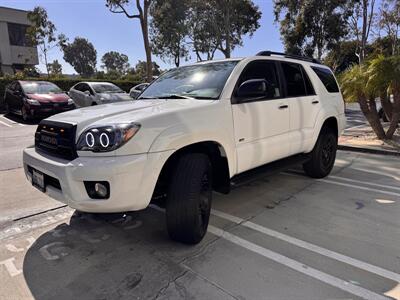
[(262, 70), (294, 80), (17, 35), (327, 78)]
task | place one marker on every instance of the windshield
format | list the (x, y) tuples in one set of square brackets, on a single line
[(106, 88), (40, 88), (203, 81)]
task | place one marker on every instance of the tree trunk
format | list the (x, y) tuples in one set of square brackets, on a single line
[(386, 105), (227, 51), (143, 16), (371, 115), (45, 61), (394, 121)]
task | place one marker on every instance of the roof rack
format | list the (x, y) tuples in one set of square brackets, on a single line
[(294, 56)]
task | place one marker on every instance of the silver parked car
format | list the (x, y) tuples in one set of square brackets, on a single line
[(137, 90), (95, 93)]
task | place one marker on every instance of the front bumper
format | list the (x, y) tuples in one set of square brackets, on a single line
[(132, 179)]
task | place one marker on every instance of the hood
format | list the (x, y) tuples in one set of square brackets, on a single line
[(46, 98), (129, 111), (114, 96)]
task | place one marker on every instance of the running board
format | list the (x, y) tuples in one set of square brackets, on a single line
[(268, 169)]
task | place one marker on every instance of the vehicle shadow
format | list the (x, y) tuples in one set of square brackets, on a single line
[(113, 256), (18, 119)]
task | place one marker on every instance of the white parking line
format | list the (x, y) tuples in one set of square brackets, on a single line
[(8, 125), (349, 185), (295, 265), (366, 182), (311, 247)]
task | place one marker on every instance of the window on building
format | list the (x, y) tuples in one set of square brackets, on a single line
[(17, 35)]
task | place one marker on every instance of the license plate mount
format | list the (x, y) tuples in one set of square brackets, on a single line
[(38, 180)]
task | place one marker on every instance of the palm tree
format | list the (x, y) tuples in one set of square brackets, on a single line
[(384, 76), (354, 87)]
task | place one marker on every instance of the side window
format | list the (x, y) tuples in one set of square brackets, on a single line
[(262, 70), (327, 78), (78, 87), (294, 79)]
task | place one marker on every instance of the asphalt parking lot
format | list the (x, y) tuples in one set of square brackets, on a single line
[(280, 237)]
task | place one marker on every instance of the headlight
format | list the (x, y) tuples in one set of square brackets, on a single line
[(106, 138), (70, 101), (32, 101)]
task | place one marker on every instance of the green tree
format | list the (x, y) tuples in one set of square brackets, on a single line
[(360, 24), (81, 55), (141, 70), (234, 19), (55, 68), (169, 29), (384, 78), (41, 33), (313, 26), (115, 62), (142, 14), (389, 23), (377, 77)]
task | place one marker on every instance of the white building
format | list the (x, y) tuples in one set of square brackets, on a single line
[(15, 50)]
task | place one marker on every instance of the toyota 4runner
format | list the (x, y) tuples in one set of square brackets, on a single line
[(191, 132)]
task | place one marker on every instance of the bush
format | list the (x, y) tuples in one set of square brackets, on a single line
[(64, 84)]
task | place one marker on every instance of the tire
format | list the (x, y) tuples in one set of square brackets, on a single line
[(25, 115), (189, 199), (323, 155), (6, 108)]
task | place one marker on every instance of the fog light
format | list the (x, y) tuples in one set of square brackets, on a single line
[(97, 189), (100, 190)]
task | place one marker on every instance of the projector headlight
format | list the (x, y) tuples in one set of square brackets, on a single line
[(106, 138), (70, 101)]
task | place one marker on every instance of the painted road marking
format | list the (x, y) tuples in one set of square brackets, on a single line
[(348, 185), (311, 247), (297, 266), (8, 125), (366, 182)]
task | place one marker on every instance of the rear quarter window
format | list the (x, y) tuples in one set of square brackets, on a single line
[(327, 78)]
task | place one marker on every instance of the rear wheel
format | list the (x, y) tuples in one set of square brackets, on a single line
[(189, 199), (323, 155)]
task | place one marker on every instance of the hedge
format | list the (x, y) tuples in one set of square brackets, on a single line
[(65, 84)]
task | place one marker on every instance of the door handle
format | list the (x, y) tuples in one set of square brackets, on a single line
[(283, 106), (315, 102)]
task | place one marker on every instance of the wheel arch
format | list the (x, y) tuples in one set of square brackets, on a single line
[(219, 162)]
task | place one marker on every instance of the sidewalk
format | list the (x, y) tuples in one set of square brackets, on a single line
[(361, 138)]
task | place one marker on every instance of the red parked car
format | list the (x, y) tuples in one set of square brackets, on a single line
[(32, 99)]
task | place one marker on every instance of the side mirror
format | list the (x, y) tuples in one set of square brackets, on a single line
[(87, 93), (253, 88)]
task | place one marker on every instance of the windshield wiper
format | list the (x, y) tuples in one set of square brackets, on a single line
[(170, 96)]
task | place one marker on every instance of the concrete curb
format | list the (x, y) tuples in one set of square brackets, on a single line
[(368, 150)]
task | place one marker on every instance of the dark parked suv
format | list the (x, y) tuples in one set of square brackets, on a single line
[(32, 99)]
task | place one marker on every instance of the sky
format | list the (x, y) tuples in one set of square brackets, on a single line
[(115, 32)]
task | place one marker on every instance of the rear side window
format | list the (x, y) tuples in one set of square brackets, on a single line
[(327, 78), (295, 83)]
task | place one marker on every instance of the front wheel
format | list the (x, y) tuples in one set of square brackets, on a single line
[(322, 156), (189, 199), (25, 115)]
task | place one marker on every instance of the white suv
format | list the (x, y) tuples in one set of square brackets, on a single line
[(191, 132)]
